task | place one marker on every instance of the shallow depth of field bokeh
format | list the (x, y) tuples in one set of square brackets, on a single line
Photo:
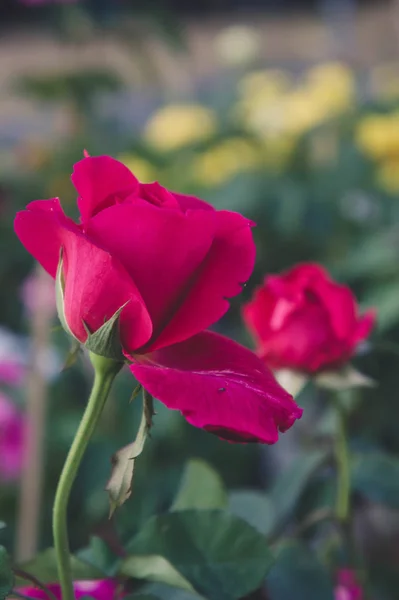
[(289, 115)]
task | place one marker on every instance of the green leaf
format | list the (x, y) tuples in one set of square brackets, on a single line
[(220, 555), (292, 481), (376, 476), (201, 487), (255, 508), (298, 574), (119, 486), (154, 568), (6, 574), (44, 568), (100, 556)]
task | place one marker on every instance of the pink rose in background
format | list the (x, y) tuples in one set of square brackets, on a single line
[(348, 587), (172, 262), (102, 589), (12, 435), (305, 321)]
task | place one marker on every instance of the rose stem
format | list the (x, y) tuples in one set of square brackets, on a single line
[(105, 371)]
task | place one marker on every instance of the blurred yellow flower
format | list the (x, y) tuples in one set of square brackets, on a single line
[(225, 160), (333, 85), (178, 125), (264, 85), (271, 106), (302, 112), (141, 168), (388, 176), (377, 135)]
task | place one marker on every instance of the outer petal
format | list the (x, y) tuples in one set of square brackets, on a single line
[(219, 386), (100, 182), (96, 286), (257, 313), (364, 326), (93, 278), (340, 304), (191, 203), (41, 228), (161, 249), (228, 265), (301, 342)]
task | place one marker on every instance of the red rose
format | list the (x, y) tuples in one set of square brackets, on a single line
[(171, 261), (302, 320)]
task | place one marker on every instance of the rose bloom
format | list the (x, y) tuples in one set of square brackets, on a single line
[(12, 434), (347, 588), (102, 589), (305, 321), (171, 261)]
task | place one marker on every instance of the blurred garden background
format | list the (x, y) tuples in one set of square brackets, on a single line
[(286, 111)]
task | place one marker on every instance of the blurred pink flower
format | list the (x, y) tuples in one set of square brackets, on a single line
[(12, 433), (348, 587), (11, 373), (38, 289), (102, 589)]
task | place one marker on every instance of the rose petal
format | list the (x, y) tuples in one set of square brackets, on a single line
[(228, 265), (364, 325), (100, 182), (158, 195), (220, 386), (191, 203), (40, 228), (340, 304), (96, 286), (258, 312), (90, 274), (160, 248), (304, 343)]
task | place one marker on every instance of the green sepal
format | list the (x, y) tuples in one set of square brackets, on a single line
[(106, 340), (59, 295)]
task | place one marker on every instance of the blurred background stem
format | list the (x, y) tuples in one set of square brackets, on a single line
[(342, 506), (36, 403)]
